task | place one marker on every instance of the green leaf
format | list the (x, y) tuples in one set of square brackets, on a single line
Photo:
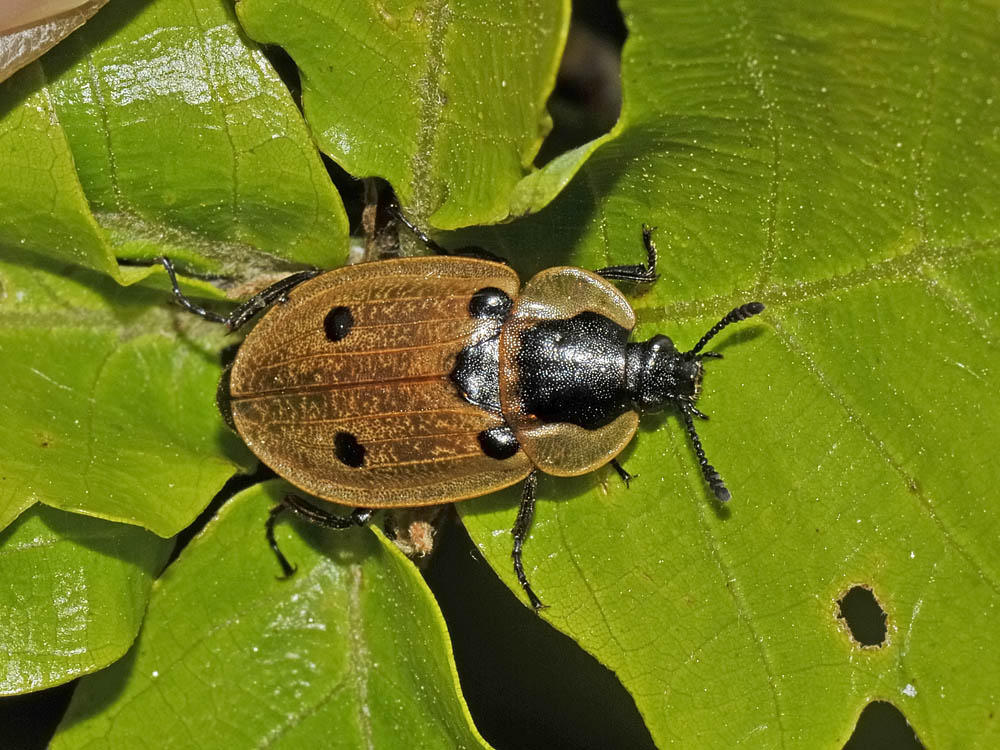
[(172, 131), (45, 209), (444, 101), (842, 164), (353, 641), (181, 136), (112, 413), (73, 595)]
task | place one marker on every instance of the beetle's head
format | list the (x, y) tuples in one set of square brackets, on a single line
[(658, 375), (663, 376)]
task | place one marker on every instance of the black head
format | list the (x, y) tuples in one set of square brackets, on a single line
[(658, 376)]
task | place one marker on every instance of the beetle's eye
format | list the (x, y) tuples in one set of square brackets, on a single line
[(659, 342)]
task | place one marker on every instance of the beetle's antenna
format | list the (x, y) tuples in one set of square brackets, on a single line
[(733, 316), (709, 472)]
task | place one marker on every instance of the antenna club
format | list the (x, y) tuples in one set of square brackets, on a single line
[(735, 315), (722, 492)]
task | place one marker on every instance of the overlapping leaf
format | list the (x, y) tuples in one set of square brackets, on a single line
[(444, 100), (72, 595), (841, 164), (352, 641), (157, 130)]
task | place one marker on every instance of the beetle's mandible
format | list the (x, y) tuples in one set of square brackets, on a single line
[(426, 380)]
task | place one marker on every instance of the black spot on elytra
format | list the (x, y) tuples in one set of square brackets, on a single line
[(489, 302), (338, 323), (349, 451), (498, 442)]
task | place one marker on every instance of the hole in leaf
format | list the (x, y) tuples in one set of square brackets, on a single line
[(880, 725), (864, 616)]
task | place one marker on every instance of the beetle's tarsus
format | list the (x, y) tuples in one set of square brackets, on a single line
[(626, 476), (637, 273), (182, 298), (421, 235), (314, 515)]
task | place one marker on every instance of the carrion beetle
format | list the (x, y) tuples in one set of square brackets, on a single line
[(426, 380)]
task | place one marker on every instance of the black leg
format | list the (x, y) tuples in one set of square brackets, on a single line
[(469, 251), (396, 211), (287, 569), (520, 531), (626, 476), (277, 292), (388, 527), (636, 273), (313, 514), (183, 300)]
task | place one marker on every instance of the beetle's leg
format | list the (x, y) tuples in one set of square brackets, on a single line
[(275, 293), (287, 569), (389, 528), (636, 273), (313, 514), (320, 517), (469, 251), (396, 211), (520, 531), (625, 475), (182, 298)]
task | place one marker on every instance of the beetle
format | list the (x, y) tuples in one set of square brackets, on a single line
[(426, 380)]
